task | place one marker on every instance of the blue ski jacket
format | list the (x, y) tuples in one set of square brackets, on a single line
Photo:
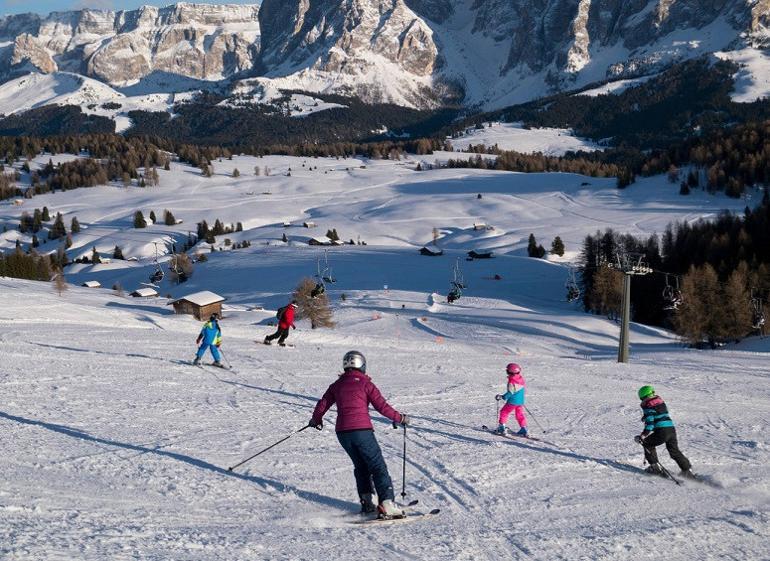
[(211, 334)]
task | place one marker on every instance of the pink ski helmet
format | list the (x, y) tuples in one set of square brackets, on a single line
[(512, 369)]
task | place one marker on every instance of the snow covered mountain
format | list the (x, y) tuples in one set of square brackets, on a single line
[(201, 41), (419, 53)]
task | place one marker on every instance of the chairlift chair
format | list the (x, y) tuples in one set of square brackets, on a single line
[(758, 314), (573, 289), (672, 296), (158, 274)]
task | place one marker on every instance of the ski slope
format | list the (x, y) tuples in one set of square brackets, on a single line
[(114, 447)]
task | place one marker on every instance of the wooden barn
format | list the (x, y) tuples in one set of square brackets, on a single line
[(482, 254), (144, 293), (431, 251), (200, 305)]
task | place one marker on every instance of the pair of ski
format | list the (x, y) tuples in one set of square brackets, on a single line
[(409, 517), (514, 435), (285, 345)]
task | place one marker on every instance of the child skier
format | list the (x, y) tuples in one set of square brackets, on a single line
[(514, 400), (659, 429), (353, 392), (285, 321), (210, 337)]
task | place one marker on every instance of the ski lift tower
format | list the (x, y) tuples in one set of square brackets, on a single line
[(629, 265)]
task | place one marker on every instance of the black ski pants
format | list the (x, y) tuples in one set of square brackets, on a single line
[(667, 436), (368, 464), (281, 335)]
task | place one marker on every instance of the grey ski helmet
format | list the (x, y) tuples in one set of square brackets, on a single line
[(355, 360)]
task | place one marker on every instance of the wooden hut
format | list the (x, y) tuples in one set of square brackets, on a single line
[(431, 251), (91, 284), (481, 254), (200, 304), (144, 293)]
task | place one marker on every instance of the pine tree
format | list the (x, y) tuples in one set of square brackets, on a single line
[(35, 242), (37, 221), (95, 256), (168, 218), (57, 230), (152, 217), (75, 225), (236, 173), (46, 214), (139, 221), (117, 253), (557, 246), (284, 239), (532, 246)]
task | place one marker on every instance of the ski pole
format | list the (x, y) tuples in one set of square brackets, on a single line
[(535, 419), (268, 448), (403, 469), (229, 364)]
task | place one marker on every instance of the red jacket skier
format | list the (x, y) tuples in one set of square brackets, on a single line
[(285, 321)]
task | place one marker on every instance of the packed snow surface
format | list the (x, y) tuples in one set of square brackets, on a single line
[(115, 447), (513, 136)]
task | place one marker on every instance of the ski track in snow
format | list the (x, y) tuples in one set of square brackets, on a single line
[(115, 447)]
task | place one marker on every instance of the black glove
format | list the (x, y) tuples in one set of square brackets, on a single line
[(318, 426), (639, 439), (498, 397), (405, 420)]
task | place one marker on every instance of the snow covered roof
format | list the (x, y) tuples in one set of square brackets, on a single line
[(203, 298), (144, 292), (92, 284)]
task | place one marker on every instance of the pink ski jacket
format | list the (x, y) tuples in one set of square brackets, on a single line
[(353, 392)]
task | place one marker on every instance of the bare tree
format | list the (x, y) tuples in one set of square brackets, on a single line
[(317, 309), (59, 282), (180, 267)]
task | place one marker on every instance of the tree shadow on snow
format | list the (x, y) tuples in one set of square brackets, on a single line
[(189, 460)]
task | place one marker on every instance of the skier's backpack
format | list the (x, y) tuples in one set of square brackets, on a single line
[(280, 312)]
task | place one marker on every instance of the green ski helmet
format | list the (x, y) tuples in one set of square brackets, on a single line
[(646, 391)]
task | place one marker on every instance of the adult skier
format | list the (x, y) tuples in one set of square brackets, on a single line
[(285, 321), (353, 391), (659, 429), (210, 338), (514, 400)]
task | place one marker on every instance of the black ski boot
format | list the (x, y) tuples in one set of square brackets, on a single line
[(655, 469), (688, 474), (367, 503), (196, 361)]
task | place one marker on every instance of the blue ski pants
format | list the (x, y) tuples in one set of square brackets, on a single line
[(214, 351), (368, 464)]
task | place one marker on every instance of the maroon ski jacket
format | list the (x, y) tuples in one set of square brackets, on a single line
[(353, 392)]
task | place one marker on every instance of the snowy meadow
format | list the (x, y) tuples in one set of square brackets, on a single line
[(116, 447)]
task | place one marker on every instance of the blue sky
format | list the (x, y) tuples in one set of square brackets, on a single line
[(46, 6)]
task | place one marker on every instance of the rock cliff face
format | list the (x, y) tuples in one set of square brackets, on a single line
[(199, 41), (414, 52)]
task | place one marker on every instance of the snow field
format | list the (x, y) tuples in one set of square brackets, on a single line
[(513, 136), (116, 449)]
